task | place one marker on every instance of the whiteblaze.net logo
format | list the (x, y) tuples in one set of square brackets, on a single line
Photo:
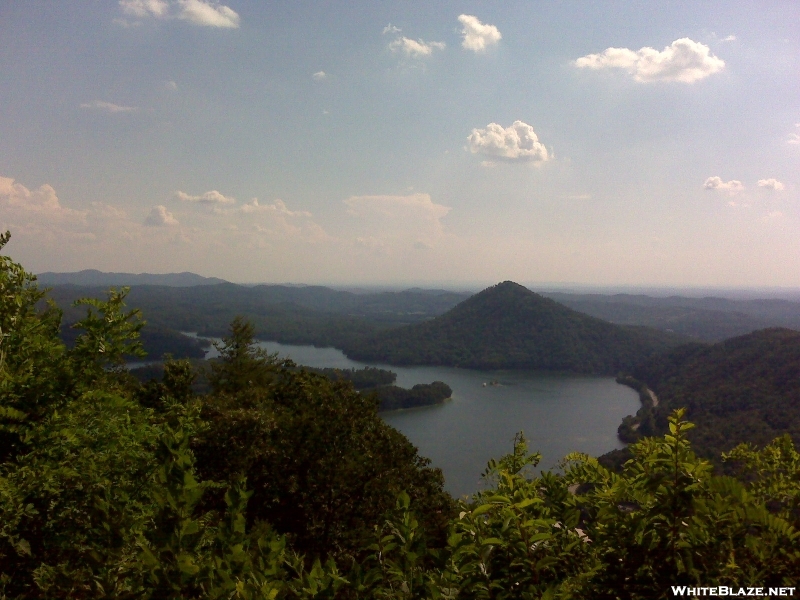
[(722, 590)]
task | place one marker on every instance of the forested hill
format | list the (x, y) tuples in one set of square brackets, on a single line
[(509, 326), (745, 389)]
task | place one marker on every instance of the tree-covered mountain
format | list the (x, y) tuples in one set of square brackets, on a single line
[(509, 326), (745, 389)]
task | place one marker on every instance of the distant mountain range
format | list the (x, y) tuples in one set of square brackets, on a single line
[(356, 322), (92, 277), (507, 326), (710, 319)]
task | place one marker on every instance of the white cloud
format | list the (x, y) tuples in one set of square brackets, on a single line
[(170, 85), (415, 48), (39, 221), (209, 14), (477, 35), (212, 197), (199, 12), (319, 75), (43, 200), (517, 143), (144, 8), (730, 38), (716, 184), (108, 107), (794, 138), (391, 29), (684, 60), (160, 217), (278, 208), (771, 184)]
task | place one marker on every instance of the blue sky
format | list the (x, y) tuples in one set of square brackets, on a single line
[(457, 143)]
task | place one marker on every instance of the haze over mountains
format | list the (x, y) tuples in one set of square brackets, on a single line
[(344, 319), (92, 277)]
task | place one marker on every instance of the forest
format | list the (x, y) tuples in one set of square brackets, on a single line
[(281, 483), (744, 389)]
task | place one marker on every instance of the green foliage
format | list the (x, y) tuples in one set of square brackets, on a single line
[(772, 475), (323, 466), (31, 374), (242, 366)]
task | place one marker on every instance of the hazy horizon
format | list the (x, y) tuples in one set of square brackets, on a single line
[(743, 293), (600, 145)]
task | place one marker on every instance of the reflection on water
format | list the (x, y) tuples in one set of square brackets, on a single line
[(559, 414)]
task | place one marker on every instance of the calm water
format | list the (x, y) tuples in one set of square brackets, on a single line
[(559, 414)]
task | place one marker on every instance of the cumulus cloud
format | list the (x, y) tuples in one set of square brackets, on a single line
[(771, 184), (319, 75), (477, 35), (108, 107), (144, 8), (198, 12), (212, 197), (794, 138), (391, 29), (209, 14), (684, 60), (278, 207), (516, 143), (15, 196), (415, 48), (160, 217), (716, 184), (39, 220)]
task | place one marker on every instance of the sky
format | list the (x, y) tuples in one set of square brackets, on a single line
[(405, 143)]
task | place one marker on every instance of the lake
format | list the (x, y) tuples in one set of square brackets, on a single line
[(558, 413)]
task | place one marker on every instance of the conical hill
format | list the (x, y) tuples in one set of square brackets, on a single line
[(507, 326)]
